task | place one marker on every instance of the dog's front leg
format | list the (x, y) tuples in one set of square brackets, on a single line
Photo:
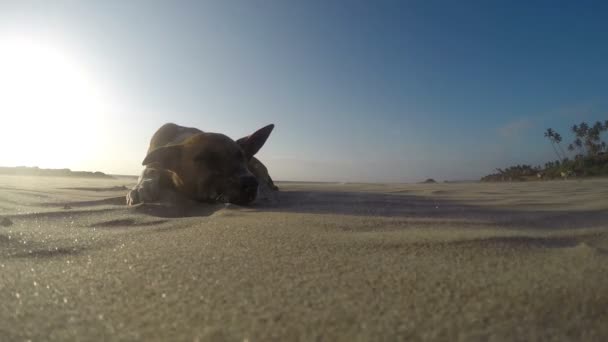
[(147, 188)]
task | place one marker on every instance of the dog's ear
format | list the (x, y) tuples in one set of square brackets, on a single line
[(167, 156), (253, 143)]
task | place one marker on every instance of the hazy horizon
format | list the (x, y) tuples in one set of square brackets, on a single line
[(386, 91)]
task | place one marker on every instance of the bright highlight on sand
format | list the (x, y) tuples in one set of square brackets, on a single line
[(50, 105)]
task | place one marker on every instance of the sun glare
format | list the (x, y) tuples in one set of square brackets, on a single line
[(50, 106)]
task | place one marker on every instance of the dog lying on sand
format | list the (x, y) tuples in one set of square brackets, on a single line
[(207, 167)]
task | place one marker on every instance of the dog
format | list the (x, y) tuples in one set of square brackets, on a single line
[(185, 162)]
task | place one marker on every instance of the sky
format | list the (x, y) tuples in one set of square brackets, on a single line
[(359, 91)]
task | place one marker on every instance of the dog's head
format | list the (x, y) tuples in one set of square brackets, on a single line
[(212, 167)]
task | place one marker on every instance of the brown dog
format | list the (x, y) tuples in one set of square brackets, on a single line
[(201, 166)]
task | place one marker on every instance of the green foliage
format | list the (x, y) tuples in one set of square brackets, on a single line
[(588, 139), (513, 173), (591, 158)]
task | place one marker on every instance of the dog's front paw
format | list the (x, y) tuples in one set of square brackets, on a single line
[(146, 191), (267, 193), (133, 197)]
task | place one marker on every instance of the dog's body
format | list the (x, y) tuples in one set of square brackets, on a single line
[(210, 167)]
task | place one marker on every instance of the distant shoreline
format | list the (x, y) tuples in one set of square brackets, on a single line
[(36, 171)]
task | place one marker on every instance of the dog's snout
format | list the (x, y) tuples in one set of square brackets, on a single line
[(246, 190)]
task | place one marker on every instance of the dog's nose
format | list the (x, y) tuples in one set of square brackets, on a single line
[(249, 187)]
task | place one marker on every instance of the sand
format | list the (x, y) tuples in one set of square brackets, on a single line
[(350, 262)]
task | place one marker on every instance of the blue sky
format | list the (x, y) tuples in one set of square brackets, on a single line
[(393, 91)]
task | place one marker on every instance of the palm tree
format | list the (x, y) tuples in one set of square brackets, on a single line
[(551, 135), (583, 128), (593, 137), (588, 137), (577, 143), (598, 126), (558, 139)]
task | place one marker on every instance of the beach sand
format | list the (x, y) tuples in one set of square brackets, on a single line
[(331, 262)]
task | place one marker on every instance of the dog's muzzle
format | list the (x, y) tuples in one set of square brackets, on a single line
[(248, 190)]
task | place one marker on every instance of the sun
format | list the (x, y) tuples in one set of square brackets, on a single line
[(51, 107)]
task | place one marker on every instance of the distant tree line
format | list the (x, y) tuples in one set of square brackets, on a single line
[(590, 157)]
